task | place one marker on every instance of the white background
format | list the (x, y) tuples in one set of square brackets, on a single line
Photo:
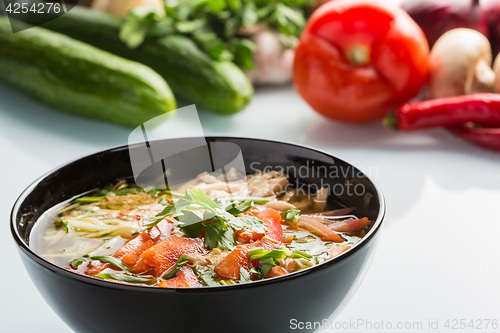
[(438, 252)]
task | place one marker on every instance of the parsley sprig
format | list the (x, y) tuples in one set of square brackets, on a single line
[(220, 218)]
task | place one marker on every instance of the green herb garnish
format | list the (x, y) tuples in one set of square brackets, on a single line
[(300, 254), (291, 214), (113, 261), (206, 276), (125, 278), (75, 263), (183, 259), (244, 276), (216, 26), (89, 199), (217, 221), (260, 253)]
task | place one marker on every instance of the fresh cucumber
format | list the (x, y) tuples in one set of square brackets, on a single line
[(76, 77), (193, 76)]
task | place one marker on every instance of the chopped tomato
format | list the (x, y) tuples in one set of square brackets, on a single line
[(95, 267), (163, 255), (185, 278), (338, 250), (229, 267), (272, 219), (276, 271)]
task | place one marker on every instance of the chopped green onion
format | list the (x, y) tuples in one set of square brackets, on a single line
[(113, 261), (255, 271), (183, 259), (173, 193), (89, 199), (75, 263), (256, 200), (125, 278), (291, 214), (259, 253), (153, 193), (300, 254), (126, 191), (227, 282), (244, 276)]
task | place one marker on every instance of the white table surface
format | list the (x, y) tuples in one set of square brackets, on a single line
[(437, 257)]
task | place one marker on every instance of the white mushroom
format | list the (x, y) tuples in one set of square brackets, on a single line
[(496, 69), (460, 63)]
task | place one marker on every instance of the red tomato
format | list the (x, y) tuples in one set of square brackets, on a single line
[(358, 59)]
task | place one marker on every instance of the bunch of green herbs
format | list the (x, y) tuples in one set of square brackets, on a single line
[(218, 26)]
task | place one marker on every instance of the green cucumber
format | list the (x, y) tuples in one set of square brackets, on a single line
[(78, 78), (193, 76)]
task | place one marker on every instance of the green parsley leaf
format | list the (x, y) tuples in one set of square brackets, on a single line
[(206, 276), (216, 235), (191, 224), (250, 222)]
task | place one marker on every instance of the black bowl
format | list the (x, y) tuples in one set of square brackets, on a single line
[(312, 295)]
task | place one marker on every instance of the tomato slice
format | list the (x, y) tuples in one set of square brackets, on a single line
[(229, 267), (165, 254), (185, 277)]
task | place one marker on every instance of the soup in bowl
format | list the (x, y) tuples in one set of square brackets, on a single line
[(269, 235)]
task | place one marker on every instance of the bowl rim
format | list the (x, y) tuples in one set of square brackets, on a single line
[(143, 288)]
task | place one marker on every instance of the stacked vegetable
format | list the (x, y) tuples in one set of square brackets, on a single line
[(129, 235), (201, 48), (357, 60)]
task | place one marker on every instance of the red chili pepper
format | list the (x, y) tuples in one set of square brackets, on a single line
[(487, 137), (481, 108)]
